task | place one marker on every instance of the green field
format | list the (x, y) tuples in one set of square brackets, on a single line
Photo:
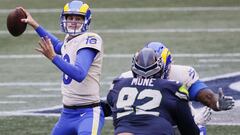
[(27, 79), (42, 126)]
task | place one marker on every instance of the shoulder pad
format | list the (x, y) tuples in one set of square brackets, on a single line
[(185, 74), (116, 80), (192, 72), (91, 40), (127, 74), (91, 36)]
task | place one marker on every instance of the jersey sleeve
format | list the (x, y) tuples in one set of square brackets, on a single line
[(195, 89), (112, 94), (182, 92), (91, 40), (127, 74), (192, 77), (188, 76), (178, 89), (184, 74)]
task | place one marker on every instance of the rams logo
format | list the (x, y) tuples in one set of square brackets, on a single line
[(191, 73)]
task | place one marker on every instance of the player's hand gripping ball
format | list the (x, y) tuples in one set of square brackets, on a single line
[(14, 24)]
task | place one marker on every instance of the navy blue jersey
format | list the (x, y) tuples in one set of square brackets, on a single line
[(150, 106)]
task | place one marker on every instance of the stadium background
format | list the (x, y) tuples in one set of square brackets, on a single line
[(203, 33)]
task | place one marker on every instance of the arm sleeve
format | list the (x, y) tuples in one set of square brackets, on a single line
[(195, 89), (57, 44), (83, 62), (110, 98), (184, 119), (112, 94)]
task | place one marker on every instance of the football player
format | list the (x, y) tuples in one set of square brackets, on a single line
[(198, 90), (81, 62), (145, 104)]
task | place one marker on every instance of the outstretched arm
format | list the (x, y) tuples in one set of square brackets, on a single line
[(208, 97), (42, 32), (216, 102), (199, 91)]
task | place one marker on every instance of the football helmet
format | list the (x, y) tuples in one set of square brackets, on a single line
[(162, 52), (75, 8), (147, 64)]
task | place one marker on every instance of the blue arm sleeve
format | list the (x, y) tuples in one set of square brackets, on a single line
[(57, 44), (78, 71), (195, 89)]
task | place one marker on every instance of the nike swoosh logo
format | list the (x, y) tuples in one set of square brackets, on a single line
[(82, 114)]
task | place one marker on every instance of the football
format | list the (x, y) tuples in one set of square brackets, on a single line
[(14, 24)]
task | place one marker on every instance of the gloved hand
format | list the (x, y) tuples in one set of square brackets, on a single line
[(224, 102), (202, 116), (106, 108)]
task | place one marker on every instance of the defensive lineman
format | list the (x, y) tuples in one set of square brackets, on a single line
[(198, 91), (148, 105)]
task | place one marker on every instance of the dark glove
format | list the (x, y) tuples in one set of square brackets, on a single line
[(106, 108), (224, 102)]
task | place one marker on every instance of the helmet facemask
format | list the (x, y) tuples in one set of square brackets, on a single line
[(146, 64), (75, 8), (72, 27), (165, 55)]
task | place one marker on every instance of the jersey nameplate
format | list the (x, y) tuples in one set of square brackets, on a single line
[(142, 82)]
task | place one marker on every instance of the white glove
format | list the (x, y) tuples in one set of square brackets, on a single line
[(202, 115)]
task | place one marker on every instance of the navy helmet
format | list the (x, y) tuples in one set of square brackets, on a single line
[(147, 64), (163, 52)]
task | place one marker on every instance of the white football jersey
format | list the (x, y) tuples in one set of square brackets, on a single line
[(87, 91), (184, 74)]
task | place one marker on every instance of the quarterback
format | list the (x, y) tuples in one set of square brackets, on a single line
[(79, 57)]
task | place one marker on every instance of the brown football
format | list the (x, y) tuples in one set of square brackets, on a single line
[(14, 24)]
